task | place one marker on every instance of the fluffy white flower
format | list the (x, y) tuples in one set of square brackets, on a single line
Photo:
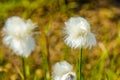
[(63, 71), (78, 34), (18, 35)]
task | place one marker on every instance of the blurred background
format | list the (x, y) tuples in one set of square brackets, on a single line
[(100, 63)]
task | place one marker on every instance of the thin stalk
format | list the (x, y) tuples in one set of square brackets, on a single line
[(44, 66), (80, 60), (78, 68), (45, 69), (48, 56), (23, 67)]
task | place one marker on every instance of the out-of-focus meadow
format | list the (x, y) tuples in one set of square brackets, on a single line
[(100, 63)]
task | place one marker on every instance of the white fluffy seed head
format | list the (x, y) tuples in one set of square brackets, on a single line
[(77, 33), (63, 71), (18, 35), (77, 27)]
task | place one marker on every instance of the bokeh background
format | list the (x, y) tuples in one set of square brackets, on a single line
[(100, 63)]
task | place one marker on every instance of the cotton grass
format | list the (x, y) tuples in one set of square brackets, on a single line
[(18, 35), (63, 71), (78, 34)]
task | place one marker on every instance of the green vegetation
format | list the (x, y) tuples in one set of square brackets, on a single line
[(99, 63)]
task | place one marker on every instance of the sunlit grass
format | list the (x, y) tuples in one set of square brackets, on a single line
[(105, 67)]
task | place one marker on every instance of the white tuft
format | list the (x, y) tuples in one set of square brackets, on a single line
[(78, 34), (18, 35), (63, 71)]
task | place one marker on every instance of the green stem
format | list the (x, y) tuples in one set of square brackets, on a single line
[(80, 60), (23, 66), (48, 56)]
